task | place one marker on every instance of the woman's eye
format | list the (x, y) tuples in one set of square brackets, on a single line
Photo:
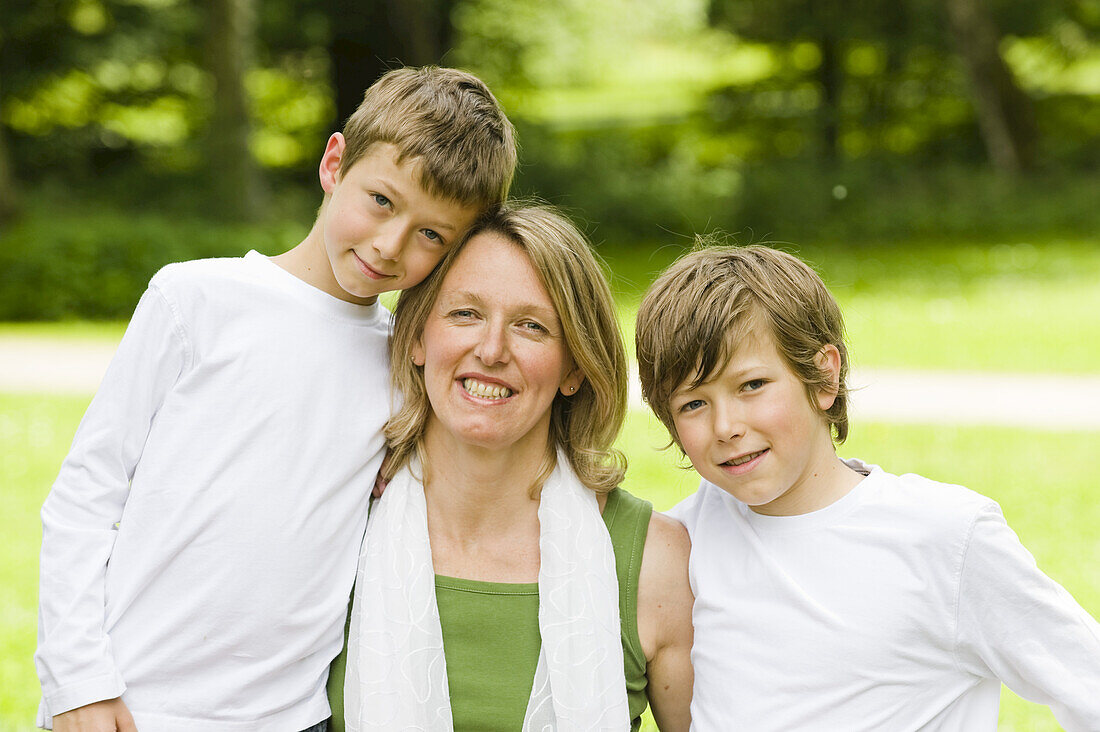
[(381, 200), (462, 313), (534, 327)]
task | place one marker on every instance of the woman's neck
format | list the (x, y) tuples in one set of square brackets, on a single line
[(482, 520)]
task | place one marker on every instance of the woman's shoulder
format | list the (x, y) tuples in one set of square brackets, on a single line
[(662, 534), (668, 536)]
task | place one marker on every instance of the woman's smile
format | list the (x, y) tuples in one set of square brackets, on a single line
[(478, 388)]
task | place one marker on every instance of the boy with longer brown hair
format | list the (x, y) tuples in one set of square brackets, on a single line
[(200, 543), (830, 594)]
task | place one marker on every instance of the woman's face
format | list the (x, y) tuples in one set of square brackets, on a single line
[(493, 350)]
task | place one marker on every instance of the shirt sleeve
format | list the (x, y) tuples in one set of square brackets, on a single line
[(74, 659), (1018, 625)]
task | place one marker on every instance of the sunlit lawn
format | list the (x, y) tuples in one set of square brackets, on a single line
[(1044, 481)]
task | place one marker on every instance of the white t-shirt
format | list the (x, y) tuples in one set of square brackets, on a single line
[(200, 543), (902, 606)]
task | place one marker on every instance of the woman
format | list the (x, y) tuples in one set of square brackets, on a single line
[(492, 594)]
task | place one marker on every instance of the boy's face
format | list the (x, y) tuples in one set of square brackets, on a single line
[(752, 431), (382, 230)]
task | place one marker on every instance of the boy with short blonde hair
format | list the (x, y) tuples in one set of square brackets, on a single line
[(830, 594), (200, 543)]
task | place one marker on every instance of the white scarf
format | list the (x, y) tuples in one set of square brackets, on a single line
[(397, 675)]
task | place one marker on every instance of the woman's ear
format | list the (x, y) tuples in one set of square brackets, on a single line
[(417, 355), (329, 170), (828, 361), (571, 382)]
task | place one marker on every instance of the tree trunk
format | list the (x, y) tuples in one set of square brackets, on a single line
[(369, 38), (9, 190), (236, 186), (1005, 113), (831, 78)]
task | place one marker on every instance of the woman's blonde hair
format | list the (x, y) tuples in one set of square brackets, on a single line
[(583, 425)]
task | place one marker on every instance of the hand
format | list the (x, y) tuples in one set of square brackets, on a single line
[(110, 715), (380, 483)]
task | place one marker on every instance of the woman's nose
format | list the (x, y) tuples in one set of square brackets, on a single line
[(493, 347)]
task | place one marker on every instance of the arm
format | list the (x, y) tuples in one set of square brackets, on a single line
[(103, 716), (74, 659), (1018, 625), (664, 622)]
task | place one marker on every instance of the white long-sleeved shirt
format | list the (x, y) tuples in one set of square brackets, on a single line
[(902, 606), (200, 543)]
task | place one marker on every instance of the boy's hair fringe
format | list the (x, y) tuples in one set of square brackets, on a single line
[(583, 425), (695, 314), (447, 121)]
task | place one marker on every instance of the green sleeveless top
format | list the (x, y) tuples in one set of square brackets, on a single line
[(491, 634), (491, 631)]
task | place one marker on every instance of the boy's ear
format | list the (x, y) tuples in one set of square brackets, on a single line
[(828, 361), (329, 170)]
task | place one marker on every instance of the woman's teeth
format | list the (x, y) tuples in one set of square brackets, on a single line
[(745, 459), (486, 391)]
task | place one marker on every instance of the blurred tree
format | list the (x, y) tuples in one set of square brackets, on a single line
[(370, 37), (831, 26), (885, 48), (9, 190), (236, 187), (1005, 113)]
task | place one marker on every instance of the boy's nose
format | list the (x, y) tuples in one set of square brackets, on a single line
[(728, 425), (388, 243)]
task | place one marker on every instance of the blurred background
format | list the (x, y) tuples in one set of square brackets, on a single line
[(936, 160), (137, 132)]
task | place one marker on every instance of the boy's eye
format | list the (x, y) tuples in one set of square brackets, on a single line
[(691, 406), (754, 384), (432, 236), (381, 200)]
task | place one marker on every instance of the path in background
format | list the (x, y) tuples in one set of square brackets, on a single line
[(1038, 401)]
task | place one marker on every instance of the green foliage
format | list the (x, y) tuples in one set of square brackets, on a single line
[(669, 179), (95, 263)]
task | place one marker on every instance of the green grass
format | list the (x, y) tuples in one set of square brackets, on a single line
[(1044, 481), (35, 433), (109, 331)]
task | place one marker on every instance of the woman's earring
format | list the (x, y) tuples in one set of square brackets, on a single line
[(572, 389)]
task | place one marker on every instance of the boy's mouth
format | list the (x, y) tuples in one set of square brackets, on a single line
[(744, 459), (368, 270), (485, 391)]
